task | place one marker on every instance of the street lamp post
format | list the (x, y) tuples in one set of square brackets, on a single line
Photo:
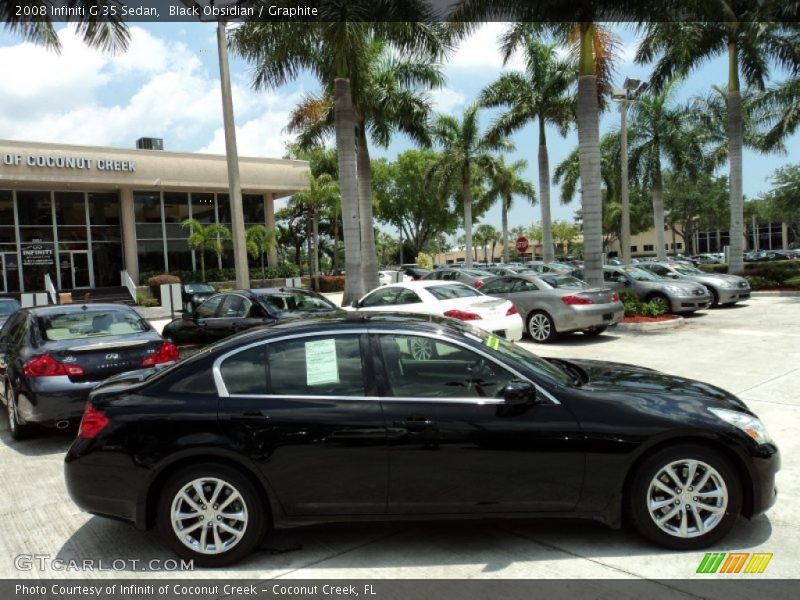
[(630, 90), (231, 152)]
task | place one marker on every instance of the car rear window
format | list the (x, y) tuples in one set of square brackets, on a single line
[(289, 302), (9, 307), (195, 288), (448, 292), (564, 281), (89, 324)]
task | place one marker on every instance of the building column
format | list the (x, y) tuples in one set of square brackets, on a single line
[(128, 226), (784, 235), (269, 221)]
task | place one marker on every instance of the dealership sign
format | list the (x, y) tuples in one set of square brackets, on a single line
[(38, 255), (50, 161)]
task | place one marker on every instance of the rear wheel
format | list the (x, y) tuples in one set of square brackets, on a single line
[(541, 327), (685, 497), (594, 331), (17, 429), (211, 514)]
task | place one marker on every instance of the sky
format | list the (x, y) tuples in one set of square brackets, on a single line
[(167, 86)]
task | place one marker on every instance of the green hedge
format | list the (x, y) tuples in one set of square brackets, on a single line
[(772, 274), (331, 283), (280, 272), (636, 308)]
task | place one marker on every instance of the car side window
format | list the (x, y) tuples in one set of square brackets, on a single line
[(234, 306), (318, 366), (422, 367), (524, 285), (610, 276), (208, 309), (381, 297), (498, 286), (659, 270), (15, 329), (407, 296), (246, 372)]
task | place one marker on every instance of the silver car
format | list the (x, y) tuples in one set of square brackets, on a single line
[(552, 303), (724, 289), (674, 296)]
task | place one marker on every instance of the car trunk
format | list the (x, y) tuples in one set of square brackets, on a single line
[(485, 307), (103, 358), (596, 295)]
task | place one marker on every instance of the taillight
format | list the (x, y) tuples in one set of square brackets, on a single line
[(572, 300), (47, 366), (462, 315), (478, 283), (92, 423), (166, 354), (511, 311), (615, 297)]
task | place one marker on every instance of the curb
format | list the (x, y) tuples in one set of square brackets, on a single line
[(647, 327), (774, 293)]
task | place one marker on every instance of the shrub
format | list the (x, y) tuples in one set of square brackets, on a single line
[(792, 282), (636, 308), (760, 283), (712, 268), (777, 271), (425, 261), (158, 280), (331, 283), (144, 300)]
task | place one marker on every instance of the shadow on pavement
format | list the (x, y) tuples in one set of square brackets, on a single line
[(41, 442)]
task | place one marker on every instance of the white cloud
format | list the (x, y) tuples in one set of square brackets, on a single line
[(157, 88), (444, 100), (481, 50)]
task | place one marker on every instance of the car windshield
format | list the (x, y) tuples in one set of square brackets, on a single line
[(196, 288), (564, 281), (289, 302), (640, 274), (476, 272), (448, 292), (8, 307), (687, 270), (75, 325), (518, 354)]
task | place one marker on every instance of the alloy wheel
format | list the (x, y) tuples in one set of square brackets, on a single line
[(661, 302), (209, 515), (539, 327), (687, 498)]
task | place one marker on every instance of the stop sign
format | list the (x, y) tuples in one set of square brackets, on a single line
[(522, 244)]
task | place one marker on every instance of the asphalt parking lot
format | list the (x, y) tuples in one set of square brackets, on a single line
[(752, 350)]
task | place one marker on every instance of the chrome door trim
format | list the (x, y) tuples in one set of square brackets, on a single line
[(222, 390)]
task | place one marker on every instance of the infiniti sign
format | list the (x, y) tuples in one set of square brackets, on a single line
[(112, 356)]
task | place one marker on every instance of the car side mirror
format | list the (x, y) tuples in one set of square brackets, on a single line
[(519, 392), (355, 304), (674, 276), (188, 313)]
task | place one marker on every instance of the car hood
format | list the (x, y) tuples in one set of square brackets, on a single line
[(720, 277), (631, 379)]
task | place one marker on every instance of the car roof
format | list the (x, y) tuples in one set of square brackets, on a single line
[(43, 311), (420, 283)]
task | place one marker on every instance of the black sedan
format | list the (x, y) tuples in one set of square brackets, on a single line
[(225, 314), (8, 306), (52, 356), (193, 294), (335, 419)]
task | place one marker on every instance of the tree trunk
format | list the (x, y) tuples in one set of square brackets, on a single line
[(203, 264), (315, 248), (548, 253), (467, 196), (335, 265), (658, 214), (504, 219), (369, 261), (346, 153), (735, 139), (591, 200), (263, 270)]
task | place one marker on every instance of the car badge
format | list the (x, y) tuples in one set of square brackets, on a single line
[(112, 356), (69, 359)]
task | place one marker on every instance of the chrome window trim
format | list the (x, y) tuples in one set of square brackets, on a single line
[(222, 390)]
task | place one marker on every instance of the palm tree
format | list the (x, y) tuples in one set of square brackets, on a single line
[(323, 191), (485, 235), (538, 94), (391, 98), (465, 152), (259, 240), (335, 48), (752, 43), (505, 182), (109, 33), (661, 131), (206, 237)]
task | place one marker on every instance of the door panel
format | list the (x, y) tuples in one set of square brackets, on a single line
[(455, 447), (319, 442)]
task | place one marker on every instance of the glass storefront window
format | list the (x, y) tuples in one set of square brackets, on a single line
[(203, 208), (253, 206), (151, 255), (6, 208), (105, 234), (35, 234), (179, 256), (223, 208), (176, 210), (33, 208), (104, 208), (108, 263), (70, 208)]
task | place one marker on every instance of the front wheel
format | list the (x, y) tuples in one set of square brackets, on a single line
[(685, 497), (661, 301), (211, 514), (541, 327), (714, 297)]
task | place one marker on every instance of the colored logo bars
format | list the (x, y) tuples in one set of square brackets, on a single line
[(734, 562)]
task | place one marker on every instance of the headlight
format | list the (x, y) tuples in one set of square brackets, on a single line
[(751, 425), (677, 291), (728, 284)]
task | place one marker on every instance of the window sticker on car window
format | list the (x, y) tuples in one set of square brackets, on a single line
[(492, 341), (321, 364)]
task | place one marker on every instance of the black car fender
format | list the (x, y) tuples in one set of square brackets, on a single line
[(147, 501)]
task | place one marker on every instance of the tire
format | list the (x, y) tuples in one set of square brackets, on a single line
[(422, 348), (18, 430), (595, 331), (714, 297), (540, 327), (250, 509), (652, 483), (662, 300)]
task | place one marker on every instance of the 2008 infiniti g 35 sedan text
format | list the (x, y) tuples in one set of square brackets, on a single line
[(339, 418)]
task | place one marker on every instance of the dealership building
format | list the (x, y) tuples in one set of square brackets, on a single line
[(82, 214)]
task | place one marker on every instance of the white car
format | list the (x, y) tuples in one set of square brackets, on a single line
[(447, 299), (387, 277)]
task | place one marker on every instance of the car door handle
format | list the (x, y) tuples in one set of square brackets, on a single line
[(415, 422), (253, 414)]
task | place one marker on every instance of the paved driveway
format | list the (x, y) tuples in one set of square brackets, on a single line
[(752, 350)]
